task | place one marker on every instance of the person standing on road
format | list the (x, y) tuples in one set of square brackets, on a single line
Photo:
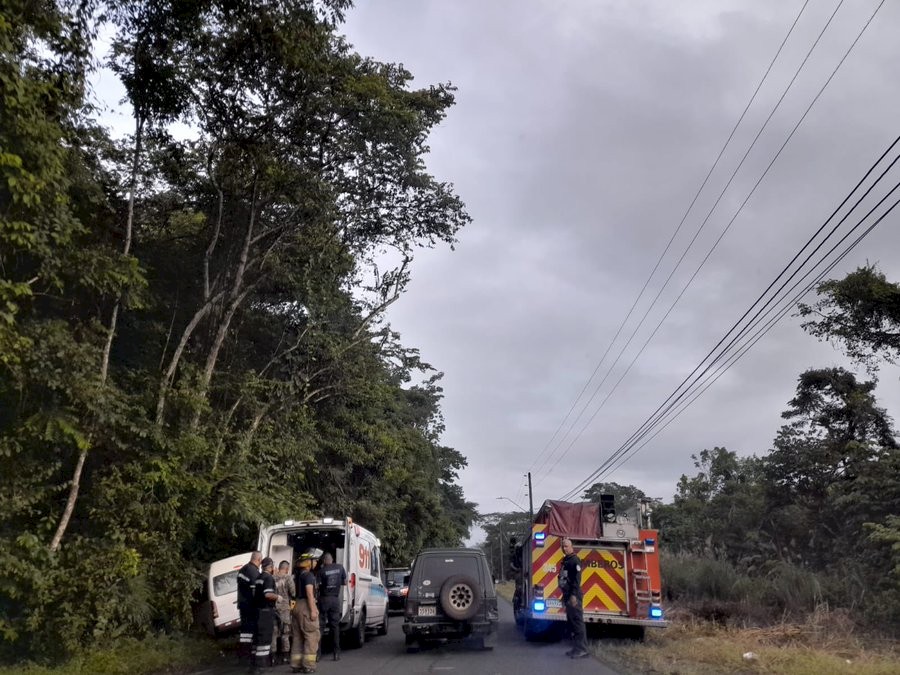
[(265, 597), (287, 591), (570, 585), (246, 602), (332, 578), (305, 620)]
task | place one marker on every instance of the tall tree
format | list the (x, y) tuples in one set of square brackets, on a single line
[(861, 312)]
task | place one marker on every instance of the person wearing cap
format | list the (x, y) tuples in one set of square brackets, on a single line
[(305, 619), (265, 597), (246, 603)]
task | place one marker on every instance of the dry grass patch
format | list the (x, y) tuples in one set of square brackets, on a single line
[(506, 589), (826, 643)]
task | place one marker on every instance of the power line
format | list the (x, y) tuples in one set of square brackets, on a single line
[(672, 239), (694, 239), (656, 417), (725, 231), (732, 360)]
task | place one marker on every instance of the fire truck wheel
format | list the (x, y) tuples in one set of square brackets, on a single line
[(461, 597)]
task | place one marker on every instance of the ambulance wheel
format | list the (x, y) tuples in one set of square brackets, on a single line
[(358, 635), (383, 628)]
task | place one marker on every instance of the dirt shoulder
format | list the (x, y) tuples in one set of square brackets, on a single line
[(826, 643)]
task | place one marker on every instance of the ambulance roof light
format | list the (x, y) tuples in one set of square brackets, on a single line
[(328, 520)]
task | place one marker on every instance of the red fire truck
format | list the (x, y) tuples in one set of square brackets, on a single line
[(619, 570)]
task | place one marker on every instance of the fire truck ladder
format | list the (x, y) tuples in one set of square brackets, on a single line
[(644, 595)]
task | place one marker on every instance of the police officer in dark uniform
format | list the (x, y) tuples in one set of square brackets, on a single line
[(570, 585), (246, 602), (265, 597), (332, 578)]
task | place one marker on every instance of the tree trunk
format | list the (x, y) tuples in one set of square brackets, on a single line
[(107, 347)]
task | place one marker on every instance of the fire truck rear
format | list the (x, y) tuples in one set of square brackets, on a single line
[(620, 577)]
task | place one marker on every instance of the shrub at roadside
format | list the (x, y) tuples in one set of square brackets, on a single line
[(128, 656)]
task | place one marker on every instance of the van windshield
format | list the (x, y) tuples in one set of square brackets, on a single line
[(223, 584), (435, 570)]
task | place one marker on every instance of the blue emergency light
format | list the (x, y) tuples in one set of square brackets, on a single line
[(649, 542), (540, 536), (539, 606), (656, 613)]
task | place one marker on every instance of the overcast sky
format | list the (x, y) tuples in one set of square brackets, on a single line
[(581, 132)]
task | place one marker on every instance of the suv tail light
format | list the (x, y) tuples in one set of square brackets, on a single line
[(213, 609), (404, 591)]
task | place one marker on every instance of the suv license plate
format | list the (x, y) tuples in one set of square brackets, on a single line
[(428, 610)]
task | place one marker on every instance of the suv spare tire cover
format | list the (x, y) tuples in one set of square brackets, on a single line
[(461, 597)]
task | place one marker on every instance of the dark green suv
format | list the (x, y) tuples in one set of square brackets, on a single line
[(451, 596)]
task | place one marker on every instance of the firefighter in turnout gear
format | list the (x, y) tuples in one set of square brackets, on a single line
[(570, 585), (332, 578), (305, 619), (265, 598), (246, 580), (287, 591)]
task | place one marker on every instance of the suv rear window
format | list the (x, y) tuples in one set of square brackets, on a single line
[(395, 577), (438, 568)]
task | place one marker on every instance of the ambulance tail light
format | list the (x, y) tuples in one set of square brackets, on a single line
[(352, 582), (213, 609)]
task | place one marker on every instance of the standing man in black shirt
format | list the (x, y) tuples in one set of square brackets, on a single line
[(570, 585), (332, 578), (265, 598), (246, 602)]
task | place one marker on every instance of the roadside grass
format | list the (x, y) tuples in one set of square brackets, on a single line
[(151, 656), (506, 589), (826, 643)]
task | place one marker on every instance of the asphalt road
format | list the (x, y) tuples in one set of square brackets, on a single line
[(387, 655)]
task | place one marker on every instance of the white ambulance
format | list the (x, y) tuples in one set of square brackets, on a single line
[(364, 605)]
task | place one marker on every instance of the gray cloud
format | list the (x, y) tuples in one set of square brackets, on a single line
[(581, 132)]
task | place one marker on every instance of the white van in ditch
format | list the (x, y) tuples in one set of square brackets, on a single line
[(217, 611), (364, 606)]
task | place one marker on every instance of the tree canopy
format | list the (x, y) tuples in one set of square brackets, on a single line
[(192, 325)]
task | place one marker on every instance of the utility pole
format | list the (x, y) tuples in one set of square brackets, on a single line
[(530, 499), (500, 539)]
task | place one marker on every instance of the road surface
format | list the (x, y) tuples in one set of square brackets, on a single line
[(387, 656)]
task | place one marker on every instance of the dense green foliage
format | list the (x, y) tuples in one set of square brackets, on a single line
[(192, 333), (816, 518)]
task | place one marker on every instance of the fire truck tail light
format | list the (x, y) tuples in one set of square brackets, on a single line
[(656, 612), (539, 606)]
